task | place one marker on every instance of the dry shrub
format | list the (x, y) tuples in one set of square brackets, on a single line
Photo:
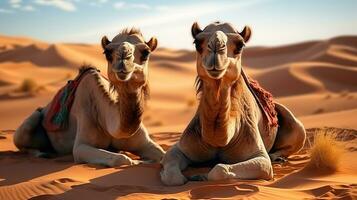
[(344, 93), (191, 102), (328, 96), (326, 151), (319, 111), (157, 123), (28, 85), (68, 76)]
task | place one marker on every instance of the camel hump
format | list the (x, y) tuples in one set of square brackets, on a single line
[(87, 67)]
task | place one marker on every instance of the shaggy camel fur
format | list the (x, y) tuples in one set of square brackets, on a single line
[(106, 115), (229, 128)]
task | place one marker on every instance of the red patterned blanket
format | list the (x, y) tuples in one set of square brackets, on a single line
[(57, 116)]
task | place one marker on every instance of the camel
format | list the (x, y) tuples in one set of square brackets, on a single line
[(229, 128), (106, 114)]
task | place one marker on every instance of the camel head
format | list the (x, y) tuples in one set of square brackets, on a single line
[(127, 56), (219, 48)]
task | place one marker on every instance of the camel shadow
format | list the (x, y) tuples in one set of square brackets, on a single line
[(142, 178), (145, 180), (17, 167)]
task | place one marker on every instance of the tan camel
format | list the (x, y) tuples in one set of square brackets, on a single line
[(106, 116), (229, 127)]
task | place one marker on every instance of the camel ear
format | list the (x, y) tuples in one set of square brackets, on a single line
[(152, 43), (246, 33), (105, 42), (195, 29)]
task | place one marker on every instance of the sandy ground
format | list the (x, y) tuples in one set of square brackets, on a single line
[(316, 80)]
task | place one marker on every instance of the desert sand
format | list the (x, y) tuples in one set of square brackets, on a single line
[(317, 80)]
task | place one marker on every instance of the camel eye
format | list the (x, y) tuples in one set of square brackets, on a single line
[(108, 55), (198, 45), (239, 47), (145, 55)]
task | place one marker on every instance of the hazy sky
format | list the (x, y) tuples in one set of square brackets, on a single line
[(273, 22)]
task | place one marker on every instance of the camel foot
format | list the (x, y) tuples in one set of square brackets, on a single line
[(172, 177), (40, 154), (122, 160), (220, 172), (198, 177), (277, 159)]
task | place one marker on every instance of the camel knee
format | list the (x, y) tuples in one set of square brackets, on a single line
[(77, 155), (291, 133), (24, 133), (263, 169), (266, 174), (299, 136), (21, 140)]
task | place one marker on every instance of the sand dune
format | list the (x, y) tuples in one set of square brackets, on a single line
[(340, 50), (10, 42), (307, 77), (316, 80)]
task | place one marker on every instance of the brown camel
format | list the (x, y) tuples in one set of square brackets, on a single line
[(230, 127), (106, 115)]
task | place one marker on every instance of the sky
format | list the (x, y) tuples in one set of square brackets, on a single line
[(273, 22)]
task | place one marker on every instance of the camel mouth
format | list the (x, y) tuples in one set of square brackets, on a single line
[(216, 73), (123, 76)]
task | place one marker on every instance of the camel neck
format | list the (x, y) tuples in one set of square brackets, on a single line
[(217, 113), (130, 108), (119, 110)]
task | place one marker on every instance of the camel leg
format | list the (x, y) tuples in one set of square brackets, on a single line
[(173, 163), (31, 138), (290, 137), (84, 150), (152, 152), (255, 168), (142, 145), (84, 153)]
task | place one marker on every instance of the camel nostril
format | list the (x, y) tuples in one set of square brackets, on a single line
[(126, 51)]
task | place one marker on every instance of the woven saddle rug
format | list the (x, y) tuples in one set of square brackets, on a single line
[(57, 116), (264, 99)]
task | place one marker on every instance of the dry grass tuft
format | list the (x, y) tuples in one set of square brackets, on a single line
[(328, 96), (344, 93), (326, 151), (319, 111), (156, 123), (28, 85), (191, 102)]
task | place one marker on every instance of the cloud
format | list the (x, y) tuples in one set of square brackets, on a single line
[(121, 5), (28, 8), (17, 4), (61, 4), (170, 14), (140, 5), (172, 21), (5, 11), (15, 1), (97, 3)]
